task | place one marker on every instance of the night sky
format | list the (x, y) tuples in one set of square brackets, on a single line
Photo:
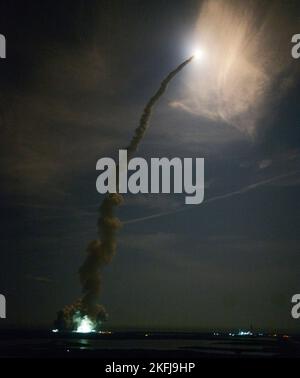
[(76, 78)]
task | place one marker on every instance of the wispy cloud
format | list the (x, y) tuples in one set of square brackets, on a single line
[(264, 163), (40, 279), (242, 73), (220, 197)]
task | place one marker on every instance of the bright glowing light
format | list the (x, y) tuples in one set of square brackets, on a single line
[(85, 325), (241, 333), (198, 54), (245, 333)]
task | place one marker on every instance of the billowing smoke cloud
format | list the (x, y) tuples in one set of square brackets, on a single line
[(101, 251), (69, 318), (247, 62)]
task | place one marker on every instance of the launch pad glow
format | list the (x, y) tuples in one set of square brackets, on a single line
[(85, 326)]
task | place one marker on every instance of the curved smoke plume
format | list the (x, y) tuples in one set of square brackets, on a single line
[(144, 120), (101, 251)]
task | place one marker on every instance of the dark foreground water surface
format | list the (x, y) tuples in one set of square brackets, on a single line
[(145, 345)]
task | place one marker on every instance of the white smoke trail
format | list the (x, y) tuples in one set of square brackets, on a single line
[(101, 251)]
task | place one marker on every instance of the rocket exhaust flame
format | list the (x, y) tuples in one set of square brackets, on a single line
[(86, 315), (85, 325)]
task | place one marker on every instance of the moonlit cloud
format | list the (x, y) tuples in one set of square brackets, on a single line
[(247, 63)]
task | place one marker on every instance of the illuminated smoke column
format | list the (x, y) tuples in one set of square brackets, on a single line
[(144, 120), (101, 251)]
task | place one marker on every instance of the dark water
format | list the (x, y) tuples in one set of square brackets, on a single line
[(144, 345)]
